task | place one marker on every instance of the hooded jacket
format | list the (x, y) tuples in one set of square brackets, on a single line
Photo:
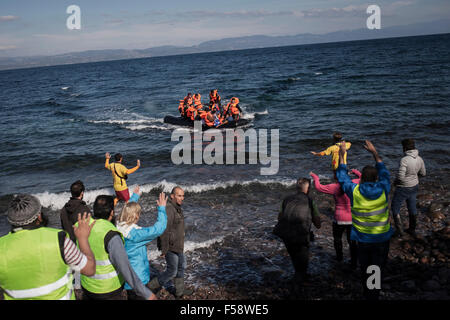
[(369, 190), (136, 240), (69, 215), (410, 166)]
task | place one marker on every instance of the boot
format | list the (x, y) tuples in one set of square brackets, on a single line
[(412, 225), (154, 285), (398, 226), (180, 290)]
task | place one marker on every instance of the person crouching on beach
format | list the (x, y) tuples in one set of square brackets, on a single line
[(334, 151), (120, 175), (137, 238), (342, 215)]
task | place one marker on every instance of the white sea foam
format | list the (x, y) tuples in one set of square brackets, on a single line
[(251, 115), (56, 201), (64, 88), (318, 73), (188, 246)]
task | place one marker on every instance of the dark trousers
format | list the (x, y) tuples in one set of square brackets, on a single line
[(299, 253), (372, 254), (115, 295), (402, 194), (338, 231)]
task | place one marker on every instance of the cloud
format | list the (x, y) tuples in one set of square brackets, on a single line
[(349, 11), (235, 14), (8, 47), (8, 18)]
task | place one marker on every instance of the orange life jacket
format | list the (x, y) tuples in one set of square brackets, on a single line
[(231, 108), (208, 122), (202, 113), (214, 97), (191, 112), (181, 108)]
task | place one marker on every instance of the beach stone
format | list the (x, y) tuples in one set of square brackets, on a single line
[(408, 285), (425, 197), (424, 260), (435, 211), (406, 246), (431, 285)]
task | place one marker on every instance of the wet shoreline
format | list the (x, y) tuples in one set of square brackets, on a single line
[(252, 263)]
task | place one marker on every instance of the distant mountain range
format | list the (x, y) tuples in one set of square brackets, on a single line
[(249, 42)]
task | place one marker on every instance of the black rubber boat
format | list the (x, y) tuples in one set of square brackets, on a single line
[(179, 121)]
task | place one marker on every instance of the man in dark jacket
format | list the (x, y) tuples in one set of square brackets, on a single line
[(294, 226), (171, 243), (76, 205)]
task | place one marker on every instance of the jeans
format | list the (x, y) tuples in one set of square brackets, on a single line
[(175, 265), (402, 194), (299, 254), (338, 231), (372, 254)]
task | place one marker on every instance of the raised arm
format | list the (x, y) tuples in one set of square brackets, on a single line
[(152, 232), (371, 148), (132, 170), (107, 157), (328, 189), (356, 172)]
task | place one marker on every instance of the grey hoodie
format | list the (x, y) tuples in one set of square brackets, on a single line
[(410, 165)]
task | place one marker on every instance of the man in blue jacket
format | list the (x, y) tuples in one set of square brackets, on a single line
[(370, 217)]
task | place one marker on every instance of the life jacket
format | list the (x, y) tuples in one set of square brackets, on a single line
[(106, 278), (370, 216), (214, 98), (32, 268), (215, 106), (197, 99), (191, 112), (181, 108), (234, 111), (208, 122), (186, 98), (231, 109)]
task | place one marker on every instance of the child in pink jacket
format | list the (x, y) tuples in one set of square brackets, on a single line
[(342, 221)]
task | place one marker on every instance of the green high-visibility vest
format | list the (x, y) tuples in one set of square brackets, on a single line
[(32, 268), (370, 216), (106, 278)]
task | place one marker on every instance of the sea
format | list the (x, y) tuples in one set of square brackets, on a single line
[(58, 122)]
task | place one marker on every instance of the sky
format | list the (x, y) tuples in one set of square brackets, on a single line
[(39, 27)]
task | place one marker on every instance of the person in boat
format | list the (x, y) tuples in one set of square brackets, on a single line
[(197, 101), (212, 119), (184, 104), (214, 98), (215, 106), (191, 112), (232, 111)]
